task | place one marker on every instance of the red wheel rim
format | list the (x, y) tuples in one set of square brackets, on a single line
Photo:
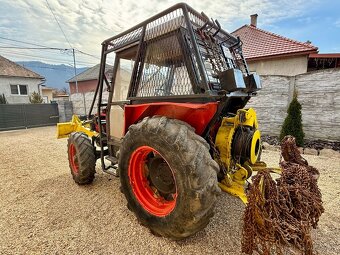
[(73, 159), (146, 194)]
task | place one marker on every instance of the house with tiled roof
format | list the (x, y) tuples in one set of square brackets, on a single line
[(17, 83), (87, 80), (271, 54), (47, 94)]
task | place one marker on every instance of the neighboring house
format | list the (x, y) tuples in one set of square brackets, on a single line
[(271, 54), (88, 80), (18, 83), (47, 94), (61, 97)]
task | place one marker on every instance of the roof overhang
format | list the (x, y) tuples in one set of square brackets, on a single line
[(324, 55), (293, 54), (56, 96), (73, 81), (46, 88), (26, 77)]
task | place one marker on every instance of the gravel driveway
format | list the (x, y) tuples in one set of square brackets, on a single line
[(42, 211)]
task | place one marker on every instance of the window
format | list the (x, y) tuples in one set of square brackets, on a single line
[(165, 68), (228, 57), (19, 90), (14, 90), (23, 89), (123, 77)]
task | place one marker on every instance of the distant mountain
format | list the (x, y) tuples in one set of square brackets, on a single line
[(55, 75)]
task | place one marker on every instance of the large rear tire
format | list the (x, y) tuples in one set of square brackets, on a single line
[(168, 177), (81, 157)]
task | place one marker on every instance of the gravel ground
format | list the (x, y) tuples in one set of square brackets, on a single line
[(42, 211)]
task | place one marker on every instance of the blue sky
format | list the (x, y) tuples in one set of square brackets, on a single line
[(320, 24), (87, 23)]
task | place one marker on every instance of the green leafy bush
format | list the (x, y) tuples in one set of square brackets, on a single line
[(35, 98), (293, 122)]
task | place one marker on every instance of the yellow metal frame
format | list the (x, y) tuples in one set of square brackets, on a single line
[(75, 125)]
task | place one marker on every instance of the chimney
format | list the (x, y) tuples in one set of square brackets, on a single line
[(253, 20)]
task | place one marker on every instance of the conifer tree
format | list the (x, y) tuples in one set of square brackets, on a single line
[(293, 123), (35, 98)]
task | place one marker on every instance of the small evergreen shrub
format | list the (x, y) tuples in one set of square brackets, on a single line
[(3, 99), (293, 122), (35, 98)]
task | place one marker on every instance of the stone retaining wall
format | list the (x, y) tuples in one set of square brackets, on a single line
[(82, 102), (318, 93), (65, 109)]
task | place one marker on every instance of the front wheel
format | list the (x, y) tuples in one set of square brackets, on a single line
[(168, 177), (81, 157)]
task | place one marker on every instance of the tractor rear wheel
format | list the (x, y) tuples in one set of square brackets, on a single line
[(81, 158), (168, 177)]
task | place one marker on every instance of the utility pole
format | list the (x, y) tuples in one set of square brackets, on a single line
[(75, 76), (75, 69)]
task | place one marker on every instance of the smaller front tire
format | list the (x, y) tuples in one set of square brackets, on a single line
[(81, 157)]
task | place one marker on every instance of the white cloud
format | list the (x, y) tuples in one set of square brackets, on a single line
[(87, 23), (337, 23)]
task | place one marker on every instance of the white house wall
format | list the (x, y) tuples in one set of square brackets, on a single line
[(5, 88), (280, 66)]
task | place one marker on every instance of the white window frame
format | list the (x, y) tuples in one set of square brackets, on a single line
[(18, 87)]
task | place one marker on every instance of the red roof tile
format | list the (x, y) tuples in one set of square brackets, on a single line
[(258, 43), (9, 68)]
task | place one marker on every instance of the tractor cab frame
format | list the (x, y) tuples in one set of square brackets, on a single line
[(182, 65)]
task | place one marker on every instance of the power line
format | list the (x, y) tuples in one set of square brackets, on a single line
[(44, 47), (82, 52), (35, 58), (74, 56), (45, 67), (31, 54), (14, 40), (39, 56), (31, 48), (52, 55), (69, 68), (49, 7), (61, 61)]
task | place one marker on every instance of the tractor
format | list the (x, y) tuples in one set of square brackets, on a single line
[(174, 127)]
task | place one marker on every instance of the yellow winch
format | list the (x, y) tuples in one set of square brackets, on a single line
[(238, 142)]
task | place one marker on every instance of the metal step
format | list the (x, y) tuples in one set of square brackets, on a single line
[(113, 160), (113, 170)]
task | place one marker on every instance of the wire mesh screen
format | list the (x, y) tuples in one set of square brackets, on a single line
[(169, 64), (216, 51), (216, 59), (165, 67), (126, 39), (165, 24), (165, 72)]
